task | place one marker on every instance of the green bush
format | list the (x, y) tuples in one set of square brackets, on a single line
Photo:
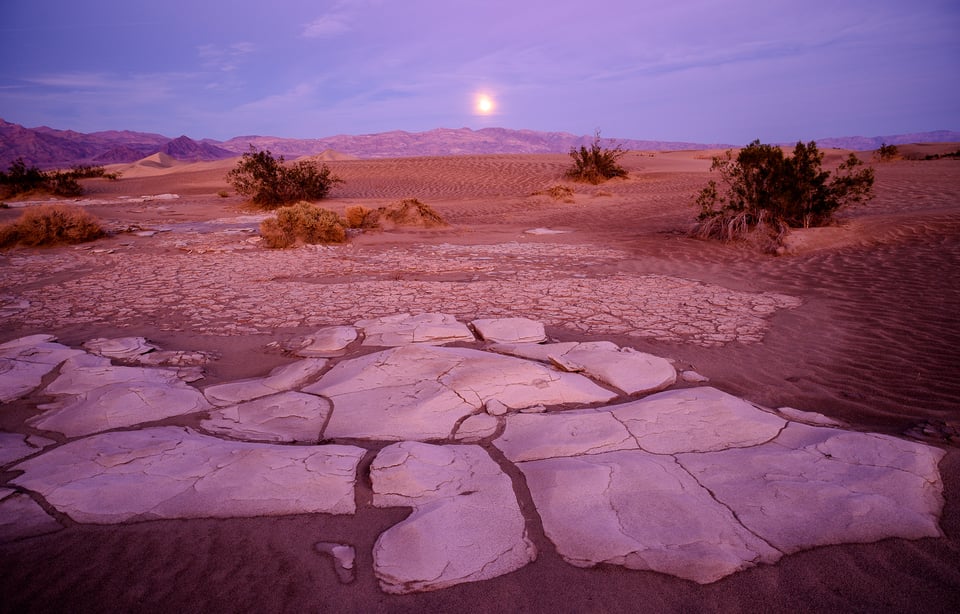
[(51, 225), (269, 183), (764, 189), (302, 223), (596, 164)]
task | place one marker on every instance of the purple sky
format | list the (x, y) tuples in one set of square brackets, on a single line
[(686, 70)]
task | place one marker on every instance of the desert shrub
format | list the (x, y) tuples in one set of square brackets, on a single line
[(410, 212), (558, 192), (358, 216), (269, 183), (51, 225), (596, 164), (84, 171), (302, 223), (63, 184), (953, 155), (764, 189), (886, 153), (19, 179)]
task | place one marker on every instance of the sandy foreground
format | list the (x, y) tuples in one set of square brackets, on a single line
[(861, 323)]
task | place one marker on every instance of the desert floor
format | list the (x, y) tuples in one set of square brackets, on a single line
[(861, 323)]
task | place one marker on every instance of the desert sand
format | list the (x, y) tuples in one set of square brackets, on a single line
[(859, 322)]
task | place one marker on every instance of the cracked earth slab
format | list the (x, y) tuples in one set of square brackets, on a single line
[(14, 446), (172, 472), (287, 417), (626, 369), (466, 523), (641, 511), (819, 486), (420, 392), (25, 361), (404, 329), (509, 330), (280, 379), (118, 405)]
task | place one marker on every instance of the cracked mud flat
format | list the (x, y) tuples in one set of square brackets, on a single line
[(881, 362), (692, 482)]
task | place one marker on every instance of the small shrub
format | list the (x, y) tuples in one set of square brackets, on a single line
[(51, 225), (302, 223), (19, 179), (596, 164), (358, 216), (88, 172), (953, 155), (558, 192), (269, 183), (886, 153), (64, 184), (223, 194), (410, 212), (764, 189)]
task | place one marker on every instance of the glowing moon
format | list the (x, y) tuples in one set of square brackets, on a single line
[(484, 104)]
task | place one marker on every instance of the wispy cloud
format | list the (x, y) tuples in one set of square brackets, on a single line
[(328, 25), (224, 58)]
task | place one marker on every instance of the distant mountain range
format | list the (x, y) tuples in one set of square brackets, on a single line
[(49, 148)]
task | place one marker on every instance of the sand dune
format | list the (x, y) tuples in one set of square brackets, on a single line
[(873, 339)]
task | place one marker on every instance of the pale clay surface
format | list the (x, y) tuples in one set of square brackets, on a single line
[(623, 368), (691, 482), (419, 392), (280, 379), (326, 342), (457, 492), (286, 417), (172, 472), (404, 329), (509, 330)]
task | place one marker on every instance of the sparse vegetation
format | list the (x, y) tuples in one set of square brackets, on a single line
[(49, 225), (302, 223), (20, 179), (360, 217), (886, 153), (557, 192), (596, 164), (269, 183), (410, 212), (764, 190), (953, 155)]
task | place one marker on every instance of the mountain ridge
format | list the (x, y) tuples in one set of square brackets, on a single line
[(47, 147)]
